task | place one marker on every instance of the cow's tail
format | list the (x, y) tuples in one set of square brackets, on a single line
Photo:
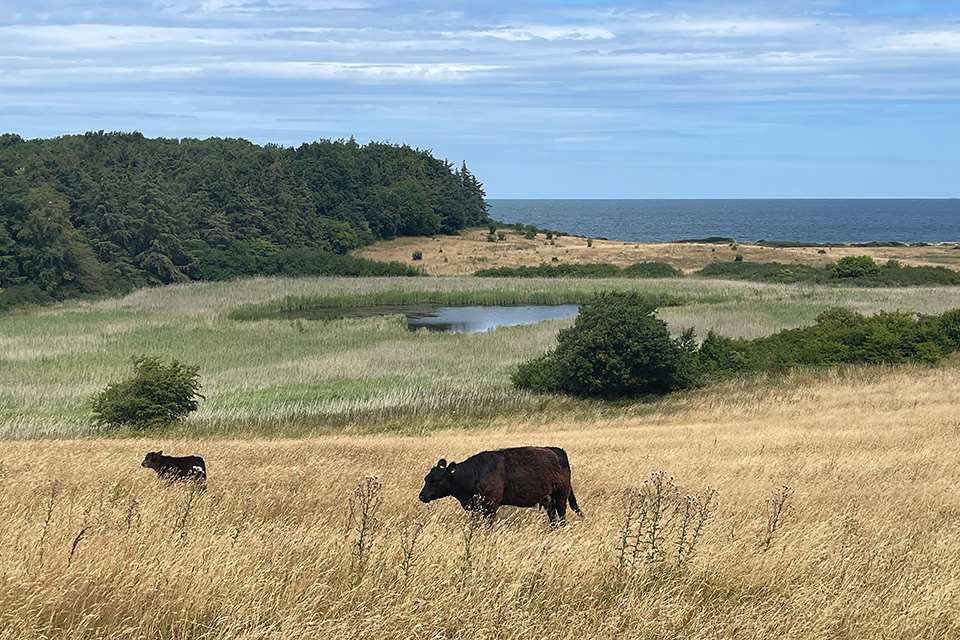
[(573, 503)]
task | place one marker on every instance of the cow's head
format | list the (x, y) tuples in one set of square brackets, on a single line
[(152, 460), (439, 482)]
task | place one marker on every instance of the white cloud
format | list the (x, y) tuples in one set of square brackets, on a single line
[(545, 32)]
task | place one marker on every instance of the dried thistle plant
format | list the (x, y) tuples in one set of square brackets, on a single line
[(776, 507), (410, 530), (661, 526), (364, 505)]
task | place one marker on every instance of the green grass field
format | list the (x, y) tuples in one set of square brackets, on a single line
[(283, 377)]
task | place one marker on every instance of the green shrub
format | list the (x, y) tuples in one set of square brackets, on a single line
[(616, 348), (417, 255), (856, 267), (844, 336), (719, 354), (948, 327), (651, 270), (18, 296), (155, 395)]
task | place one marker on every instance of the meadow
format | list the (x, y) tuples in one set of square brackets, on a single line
[(291, 377), (323, 537), (833, 511)]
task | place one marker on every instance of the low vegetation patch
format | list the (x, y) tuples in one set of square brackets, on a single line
[(710, 240), (255, 258), (840, 336), (859, 271), (617, 348), (598, 270), (300, 303)]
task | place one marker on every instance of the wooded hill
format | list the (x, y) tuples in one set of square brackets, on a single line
[(106, 212)]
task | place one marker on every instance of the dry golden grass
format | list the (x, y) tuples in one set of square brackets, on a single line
[(464, 254), (93, 546)]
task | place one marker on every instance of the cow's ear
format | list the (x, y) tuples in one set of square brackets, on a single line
[(441, 464), (452, 467), (160, 453)]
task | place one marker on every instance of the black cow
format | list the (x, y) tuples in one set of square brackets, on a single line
[(519, 477), (174, 468)]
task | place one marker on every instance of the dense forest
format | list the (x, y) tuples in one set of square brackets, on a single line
[(107, 212)]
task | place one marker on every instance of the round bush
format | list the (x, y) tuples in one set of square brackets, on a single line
[(616, 348), (155, 395)]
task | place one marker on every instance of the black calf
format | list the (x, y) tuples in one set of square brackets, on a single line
[(174, 468)]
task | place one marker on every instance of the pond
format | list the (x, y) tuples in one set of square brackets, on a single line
[(448, 319)]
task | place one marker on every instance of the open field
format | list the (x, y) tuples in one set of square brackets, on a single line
[(466, 253), (293, 378), (96, 547)]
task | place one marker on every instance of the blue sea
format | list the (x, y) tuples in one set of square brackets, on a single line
[(819, 221)]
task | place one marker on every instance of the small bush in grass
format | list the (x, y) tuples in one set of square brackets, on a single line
[(418, 255), (155, 395)]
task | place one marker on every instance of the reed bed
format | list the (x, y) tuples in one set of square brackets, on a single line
[(324, 537)]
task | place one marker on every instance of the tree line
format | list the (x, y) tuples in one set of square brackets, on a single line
[(107, 212)]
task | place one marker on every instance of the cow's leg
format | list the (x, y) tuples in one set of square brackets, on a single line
[(558, 507), (482, 507)]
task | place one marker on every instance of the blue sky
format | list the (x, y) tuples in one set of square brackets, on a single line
[(542, 98)]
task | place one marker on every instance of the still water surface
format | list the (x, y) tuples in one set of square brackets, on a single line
[(446, 318), (804, 220)]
